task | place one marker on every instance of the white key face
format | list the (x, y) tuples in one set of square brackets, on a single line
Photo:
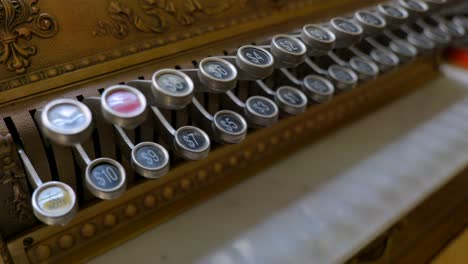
[(55, 200), (67, 117)]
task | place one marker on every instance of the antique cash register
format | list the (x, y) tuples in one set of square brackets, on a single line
[(117, 115)]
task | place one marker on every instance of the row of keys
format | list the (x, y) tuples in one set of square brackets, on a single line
[(310, 65)]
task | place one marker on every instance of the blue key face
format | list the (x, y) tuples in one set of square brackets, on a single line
[(421, 41), (290, 45), (261, 106), (218, 70), (291, 96), (415, 5), (317, 85), (106, 176), (364, 66), (384, 57), (342, 74), (256, 56), (402, 48), (371, 19), (230, 123), (393, 11), (192, 139), (172, 83), (66, 117), (347, 26), (319, 33), (151, 157)]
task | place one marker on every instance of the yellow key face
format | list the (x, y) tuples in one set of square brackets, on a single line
[(54, 200)]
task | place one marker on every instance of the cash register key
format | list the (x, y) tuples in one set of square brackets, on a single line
[(172, 89), (66, 121), (150, 160), (346, 31), (217, 75), (366, 69), (192, 143), (105, 178), (288, 50), (344, 79), (370, 22), (386, 59), (319, 40), (255, 61), (393, 14), (124, 106), (229, 126), (54, 203), (318, 88), (261, 111), (291, 100)]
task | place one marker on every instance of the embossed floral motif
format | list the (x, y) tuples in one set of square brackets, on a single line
[(12, 174), (154, 16), (19, 21)]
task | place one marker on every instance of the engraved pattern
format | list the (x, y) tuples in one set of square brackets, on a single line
[(20, 20), (4, 253), (75, 65), (12, 174), (158, 15)]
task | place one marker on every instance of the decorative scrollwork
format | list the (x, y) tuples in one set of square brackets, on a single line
[(12, 174), (157, 15), (20, 19)]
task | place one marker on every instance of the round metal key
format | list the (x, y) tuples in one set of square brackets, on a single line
[(291, 100), (150, 160), (288, 51), (366, 69), (105, 178), (393, 14), (217, 75), (385, 59), (403, 49), (438, 35), (261, 111), (255, 61), (123, 106), (344, 79), (435, 5), (346, 31), (191, 143), (318, 39), (371, 23), (172, 89), (421, 42), (54, 203), (229, 126), (66, 121), (318, 88), (415, 8)]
